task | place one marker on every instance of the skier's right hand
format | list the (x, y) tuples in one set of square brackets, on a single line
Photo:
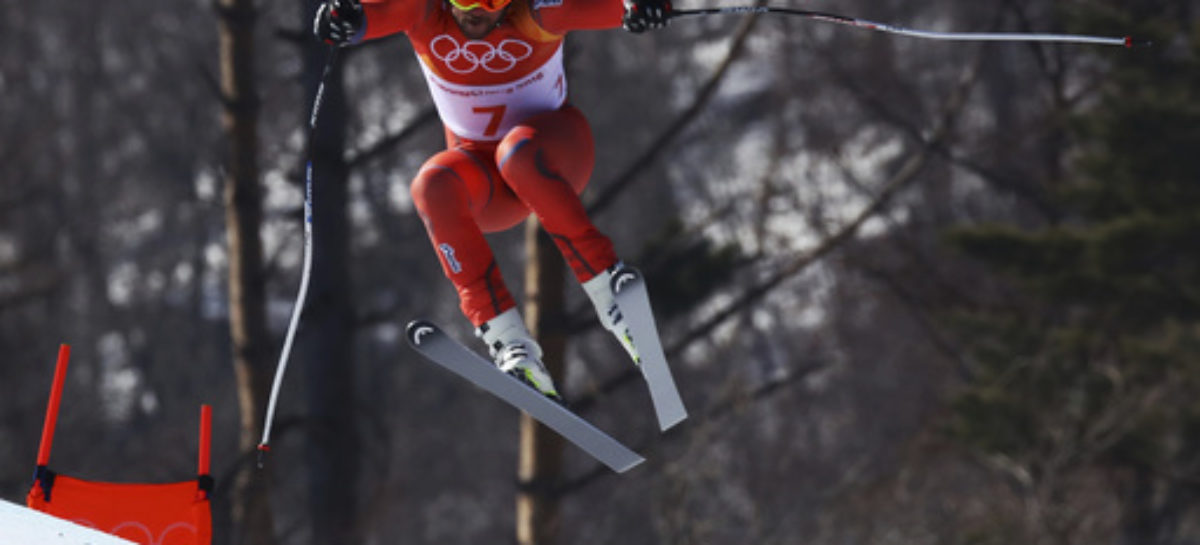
[(338, 22)]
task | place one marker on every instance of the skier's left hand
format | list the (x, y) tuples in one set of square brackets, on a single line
[(641, 15)]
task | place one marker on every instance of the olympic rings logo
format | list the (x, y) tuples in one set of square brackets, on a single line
[(476, 54), (139, 528)]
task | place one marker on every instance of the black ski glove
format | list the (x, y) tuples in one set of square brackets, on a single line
[(641, 15), (338, 22)]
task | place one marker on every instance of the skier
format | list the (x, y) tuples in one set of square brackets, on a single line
[(515, 145)]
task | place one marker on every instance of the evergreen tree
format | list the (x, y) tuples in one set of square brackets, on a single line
[(1089, 374)]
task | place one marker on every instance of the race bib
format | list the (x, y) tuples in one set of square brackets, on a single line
[(487, 112)]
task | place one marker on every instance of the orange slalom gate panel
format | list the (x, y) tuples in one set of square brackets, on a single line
[(175, 513), (147, 514)]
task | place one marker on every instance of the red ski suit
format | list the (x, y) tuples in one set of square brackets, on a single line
[(514, 145)]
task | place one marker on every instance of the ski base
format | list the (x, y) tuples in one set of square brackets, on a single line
[(634, 302), (438, 347)]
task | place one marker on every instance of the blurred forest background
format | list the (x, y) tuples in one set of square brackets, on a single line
[(913, 291)]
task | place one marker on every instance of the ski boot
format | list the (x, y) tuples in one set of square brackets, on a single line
[(600, 290), (516, 353)]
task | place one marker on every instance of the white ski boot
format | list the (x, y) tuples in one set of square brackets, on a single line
[(516, 353), (600, 291)]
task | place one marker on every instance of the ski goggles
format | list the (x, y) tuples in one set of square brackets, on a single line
[(485, 5)]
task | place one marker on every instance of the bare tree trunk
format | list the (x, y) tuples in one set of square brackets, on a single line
[(325, 349), (540, 464), (243, 216)]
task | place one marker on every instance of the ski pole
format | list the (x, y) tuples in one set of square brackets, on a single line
[(306, 268), (1126, 41)]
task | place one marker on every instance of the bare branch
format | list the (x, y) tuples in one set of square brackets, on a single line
[(715, 412), (905, 175), (385, 145), (652, 151), (40, 286)]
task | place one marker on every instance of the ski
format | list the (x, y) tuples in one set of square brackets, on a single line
[(438, 347), (634, 302)]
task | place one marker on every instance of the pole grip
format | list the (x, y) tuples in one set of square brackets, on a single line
[(60, 376)]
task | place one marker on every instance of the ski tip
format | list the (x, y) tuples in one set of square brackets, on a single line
[(417, 330)]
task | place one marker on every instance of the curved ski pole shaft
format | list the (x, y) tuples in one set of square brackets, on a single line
[(1125, 41), (306, 270)]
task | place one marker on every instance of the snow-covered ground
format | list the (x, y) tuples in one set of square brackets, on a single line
[(22, 526)]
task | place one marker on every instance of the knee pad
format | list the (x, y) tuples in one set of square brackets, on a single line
[(438, 186), (516, 154)]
